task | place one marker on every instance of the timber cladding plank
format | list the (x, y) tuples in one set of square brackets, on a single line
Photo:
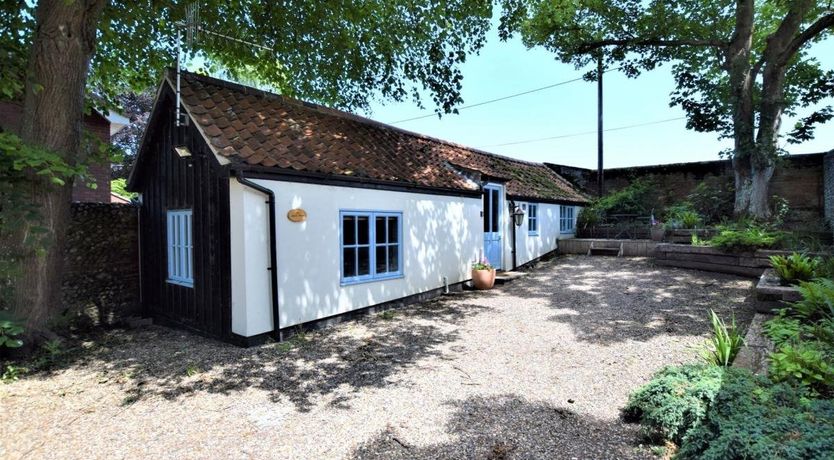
[(732, 269)]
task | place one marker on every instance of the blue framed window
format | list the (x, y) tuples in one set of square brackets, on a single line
[(566, 219), (533, 219), (180, 248), (371, 245)]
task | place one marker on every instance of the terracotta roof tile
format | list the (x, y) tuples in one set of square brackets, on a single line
[(252, 127)]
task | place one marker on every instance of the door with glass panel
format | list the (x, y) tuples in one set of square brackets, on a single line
[(492, 224)]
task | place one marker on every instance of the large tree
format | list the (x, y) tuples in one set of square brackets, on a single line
[(739, 66), (58, 53)]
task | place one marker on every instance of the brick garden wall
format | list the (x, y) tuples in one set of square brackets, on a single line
[(799, 179), (101, 262), (10, 114), (828, 189)]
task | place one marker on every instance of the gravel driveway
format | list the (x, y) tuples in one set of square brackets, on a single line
[(536, 369)]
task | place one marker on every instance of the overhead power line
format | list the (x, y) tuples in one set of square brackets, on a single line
[(503, 98), (585, 133)]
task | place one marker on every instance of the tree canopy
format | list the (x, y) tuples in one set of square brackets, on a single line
[(739, 66), (336, 53)]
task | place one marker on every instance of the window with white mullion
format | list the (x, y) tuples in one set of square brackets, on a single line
[(370, 245), (180, 247)]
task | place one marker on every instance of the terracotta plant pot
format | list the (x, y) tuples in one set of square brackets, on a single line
[(483, 279), (658, 233)]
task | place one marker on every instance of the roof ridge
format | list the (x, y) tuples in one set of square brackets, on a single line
[(358, 118)]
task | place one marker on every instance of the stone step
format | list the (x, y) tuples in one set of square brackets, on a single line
[(604, 252), (507, 277)]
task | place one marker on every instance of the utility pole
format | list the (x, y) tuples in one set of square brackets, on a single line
[(600, 171)]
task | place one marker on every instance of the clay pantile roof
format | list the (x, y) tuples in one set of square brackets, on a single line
[(253, 128)]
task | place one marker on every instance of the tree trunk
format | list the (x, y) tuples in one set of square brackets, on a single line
[(62, 47), (752, 182)]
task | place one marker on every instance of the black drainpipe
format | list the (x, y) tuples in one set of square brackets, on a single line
[(512, 224), (273, 264)]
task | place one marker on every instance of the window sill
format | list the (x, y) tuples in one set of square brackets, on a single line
[(353, 281), (188, 284), (532, 233)]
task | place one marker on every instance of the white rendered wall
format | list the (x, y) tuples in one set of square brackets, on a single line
[(441, 237), (528, 246), (249, 232)]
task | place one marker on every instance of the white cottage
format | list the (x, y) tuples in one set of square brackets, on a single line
[(262, 213)]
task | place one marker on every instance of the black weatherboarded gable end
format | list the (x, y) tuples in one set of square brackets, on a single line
[(170, 182)]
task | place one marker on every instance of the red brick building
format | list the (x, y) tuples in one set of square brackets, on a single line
[(96, 123)]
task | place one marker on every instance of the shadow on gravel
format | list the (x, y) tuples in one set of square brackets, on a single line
[(509, 426), (170, 363), (610, 300)]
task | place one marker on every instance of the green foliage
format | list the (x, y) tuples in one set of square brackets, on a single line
[(725, 343), (483, 264), (749, 418), (637, 198), (12, 373), (340, 54), (817, 300), (745, 239), (693, 35), (803, 335), (118, 186), (783, 329), (807, 363), (795, 267), (387, 315), (682, 215), (192, 370), (697, 241), (713, 198), (825, 268), (19, 163), (675, 400), (10, 330)]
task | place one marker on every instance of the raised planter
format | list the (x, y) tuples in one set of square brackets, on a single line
[(771, 294), (755, 353), (684, 235), (751, 264), (631, 248)]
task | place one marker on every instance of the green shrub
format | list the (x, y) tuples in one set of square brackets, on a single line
[(795, 267), (10, 330), (682, 215), (750, 418), (638, 198), (725, 342), (675, 400), (713, 199), (806, 363), (825, 268), (782, 329), (744, 240), (817, 300)]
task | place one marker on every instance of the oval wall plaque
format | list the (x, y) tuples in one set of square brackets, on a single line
[(297, 215)]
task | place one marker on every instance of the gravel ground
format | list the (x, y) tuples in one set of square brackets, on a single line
[(536, 369)]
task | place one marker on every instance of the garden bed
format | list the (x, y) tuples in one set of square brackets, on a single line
[(771, 294), (751, 264)]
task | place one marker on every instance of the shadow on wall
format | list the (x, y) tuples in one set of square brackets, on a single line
[(613, 300), (509, 426), (367, 353), (441, 237)]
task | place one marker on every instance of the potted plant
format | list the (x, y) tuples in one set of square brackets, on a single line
[(483, 274), (658, 229)]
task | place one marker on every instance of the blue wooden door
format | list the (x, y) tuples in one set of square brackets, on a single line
[(492, 224)]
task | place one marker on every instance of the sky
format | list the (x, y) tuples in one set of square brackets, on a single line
[(505, 68)]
